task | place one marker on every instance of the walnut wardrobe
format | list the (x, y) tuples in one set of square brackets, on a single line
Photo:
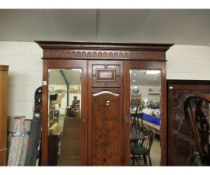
[(97, 75)]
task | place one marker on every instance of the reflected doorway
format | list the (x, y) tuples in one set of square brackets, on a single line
[(145, 105)]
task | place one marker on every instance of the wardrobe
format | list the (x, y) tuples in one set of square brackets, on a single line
[(104, 116), (3, 113)]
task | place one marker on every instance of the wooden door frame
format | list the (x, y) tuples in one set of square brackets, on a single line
[(64, 64), (147, 65)]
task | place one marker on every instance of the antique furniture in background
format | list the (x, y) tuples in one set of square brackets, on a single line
[(105, 95), (180, 141), (197, 115), (3, 113), (142, 144)]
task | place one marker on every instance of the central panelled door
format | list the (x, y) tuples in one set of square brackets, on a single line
[(105, 113)]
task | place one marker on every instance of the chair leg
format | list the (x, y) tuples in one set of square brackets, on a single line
[(138, 160), (133, 161), (145, 159), (132, 158), (150, 162)]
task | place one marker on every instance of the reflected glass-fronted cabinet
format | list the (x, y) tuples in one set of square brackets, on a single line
[(181, 144), (93, 94)]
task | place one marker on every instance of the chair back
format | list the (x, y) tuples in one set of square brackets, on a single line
[(149, 135), (138, 130), (196, 108)]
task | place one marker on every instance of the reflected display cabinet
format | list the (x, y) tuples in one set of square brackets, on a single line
[(97, 78), (181, 146)]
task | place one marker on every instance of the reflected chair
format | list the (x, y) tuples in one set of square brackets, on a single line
[(196, 108), (141, 146)]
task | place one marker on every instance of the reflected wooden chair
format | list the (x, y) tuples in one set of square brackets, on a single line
[(141, 146), (136, 120), (196, 108)]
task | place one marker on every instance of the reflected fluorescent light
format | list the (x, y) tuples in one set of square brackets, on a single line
[(135, 87), (134, 80), (134, 74), (77, 70), (153, 71)]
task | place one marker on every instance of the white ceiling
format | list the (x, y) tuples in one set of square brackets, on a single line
[(190, 27)]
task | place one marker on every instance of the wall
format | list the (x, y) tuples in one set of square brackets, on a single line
[(25, 75), (188, 62), (25, 72)]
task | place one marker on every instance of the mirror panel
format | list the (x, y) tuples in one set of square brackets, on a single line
[(64, 116), (145, 105)]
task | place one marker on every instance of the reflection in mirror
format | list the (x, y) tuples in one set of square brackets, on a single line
[(64, 109), (145, 93)]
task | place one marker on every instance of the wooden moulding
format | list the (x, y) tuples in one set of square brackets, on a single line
[(103, 51), (4, 68), (3, 113)]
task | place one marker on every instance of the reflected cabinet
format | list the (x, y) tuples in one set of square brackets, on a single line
[(96, 96), (181, 143)]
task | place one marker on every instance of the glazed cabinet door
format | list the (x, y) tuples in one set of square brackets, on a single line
[(181, 145)]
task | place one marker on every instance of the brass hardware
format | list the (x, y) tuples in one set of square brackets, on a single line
[(107, 103)]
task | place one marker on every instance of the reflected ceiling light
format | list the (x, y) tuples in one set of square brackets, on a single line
[(153, 71), (134, 74), (77, 70), (134, 80)]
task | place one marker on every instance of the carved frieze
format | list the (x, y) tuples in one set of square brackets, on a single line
[(106, 54)]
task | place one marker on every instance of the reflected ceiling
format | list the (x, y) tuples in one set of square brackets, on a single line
[(145, 78), (72, 76)]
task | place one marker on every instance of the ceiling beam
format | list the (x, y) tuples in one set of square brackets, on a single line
[(67, 85)]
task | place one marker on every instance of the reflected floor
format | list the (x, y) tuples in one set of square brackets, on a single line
[(70, 143)]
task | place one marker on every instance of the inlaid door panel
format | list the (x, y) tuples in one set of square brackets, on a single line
[(106, 112), (106, 128), (106, 74)]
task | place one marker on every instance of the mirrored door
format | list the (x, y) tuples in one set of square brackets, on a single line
[(64, 116), (145, 135), (64, 123), (145, 111)]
